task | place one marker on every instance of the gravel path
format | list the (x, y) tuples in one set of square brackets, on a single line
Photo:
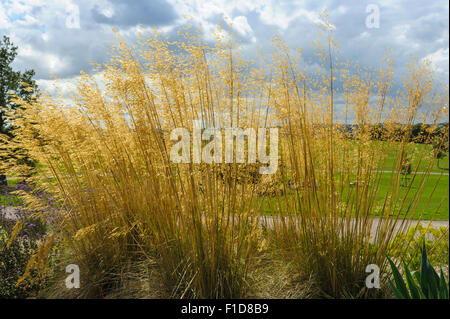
[(267, 221), (11, 213), (376, 220), (419, 173)]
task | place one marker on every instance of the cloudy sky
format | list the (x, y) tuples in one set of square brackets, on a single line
[(61, 37)]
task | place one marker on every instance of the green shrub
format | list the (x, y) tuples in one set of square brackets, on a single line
[(435, 240)]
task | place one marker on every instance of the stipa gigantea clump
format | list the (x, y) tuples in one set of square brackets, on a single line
[(327, 226), (105, 156), (120, 195)]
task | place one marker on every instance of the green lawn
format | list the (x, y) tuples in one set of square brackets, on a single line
[(415, 152), (10, 200), (439, 202), (435, 207), (13, 182), (433, 203)]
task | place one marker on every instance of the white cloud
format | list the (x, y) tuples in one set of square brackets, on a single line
[(27, 21), (439, 59), (273, 14), (65, 86), (18, 7), (241, 26), (38, 28), (53, 62), (364, 35), (4, 21)]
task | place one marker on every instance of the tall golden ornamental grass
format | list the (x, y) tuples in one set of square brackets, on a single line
[(104, 156), (327, 228)]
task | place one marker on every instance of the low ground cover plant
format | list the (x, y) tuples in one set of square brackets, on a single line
[(435, 240), (17, 246)]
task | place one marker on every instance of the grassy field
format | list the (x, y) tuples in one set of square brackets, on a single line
[(9, 199), (429, 207), (414, 151), (433, 203)]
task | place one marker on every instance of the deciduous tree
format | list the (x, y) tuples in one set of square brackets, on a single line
[(11, 83)]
